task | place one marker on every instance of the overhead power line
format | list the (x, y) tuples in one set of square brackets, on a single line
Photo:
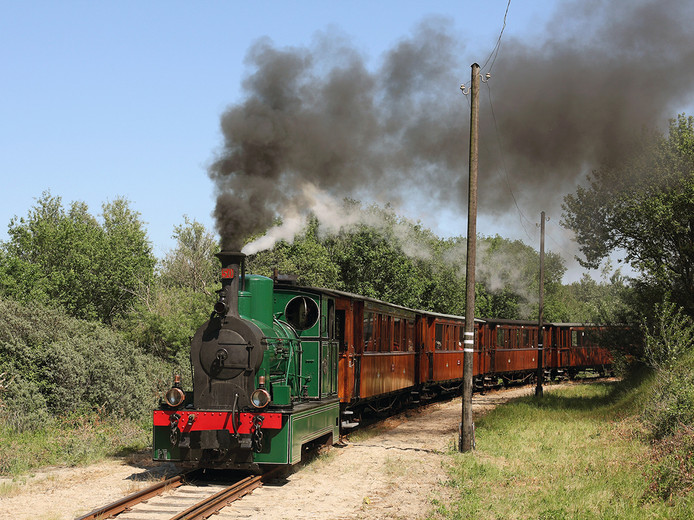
[(495, 51)]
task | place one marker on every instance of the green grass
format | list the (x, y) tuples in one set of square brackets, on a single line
[(70, 441), (578, 453)]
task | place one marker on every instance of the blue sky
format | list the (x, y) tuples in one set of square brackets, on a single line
[(106, 99)]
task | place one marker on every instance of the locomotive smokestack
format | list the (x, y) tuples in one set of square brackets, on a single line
[(233, 266)]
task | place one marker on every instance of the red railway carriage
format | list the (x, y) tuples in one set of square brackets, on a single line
[(388, 356), (388, 352), (442, 340), (378, 349), (575, 347), (513, 345)]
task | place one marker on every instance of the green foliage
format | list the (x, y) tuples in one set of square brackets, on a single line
[(590, 301), (399, 261), (68, 258), (70, 440), (672, 468), (167, 312), (192, 264), (164, 319), (307, 257), (668, 337), (646, 208), (56, 365), (575, 453), (510, 273), (671, 401), (372, 263)]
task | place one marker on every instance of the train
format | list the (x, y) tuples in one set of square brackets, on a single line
[(280, 367)]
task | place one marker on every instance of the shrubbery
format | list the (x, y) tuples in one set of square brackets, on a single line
[(672, 471), (671, 404), (669, 349), (669, 409), (56, 365)]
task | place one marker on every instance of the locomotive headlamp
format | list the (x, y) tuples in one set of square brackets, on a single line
[(175, 397), (260, 398)]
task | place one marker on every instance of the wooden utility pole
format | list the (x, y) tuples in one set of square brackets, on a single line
[(540, 338), (466, 427)]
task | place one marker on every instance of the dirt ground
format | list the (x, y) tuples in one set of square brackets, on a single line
[(393, 471)]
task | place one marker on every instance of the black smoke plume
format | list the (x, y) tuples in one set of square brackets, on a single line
[(555, 107)]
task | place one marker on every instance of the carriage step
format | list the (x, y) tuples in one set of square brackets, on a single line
[(346, 425)]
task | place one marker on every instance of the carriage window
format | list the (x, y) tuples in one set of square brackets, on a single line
[(331, 319), (385, 333), (574, 338), (368, 331), (500, 337), (397, 334), (439, 336), (450, 333), (410, 336), (457, 342), (340, 329)]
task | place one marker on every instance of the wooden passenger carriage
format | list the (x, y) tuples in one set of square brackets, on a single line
[(513, 348), (389, 355), (575, 348)]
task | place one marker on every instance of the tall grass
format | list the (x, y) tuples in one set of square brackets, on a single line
[(70, 441), (579, 453)]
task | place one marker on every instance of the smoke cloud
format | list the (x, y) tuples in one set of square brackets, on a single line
[(555, 107)]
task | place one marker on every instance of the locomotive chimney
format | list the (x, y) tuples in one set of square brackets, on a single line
[(233, 266)]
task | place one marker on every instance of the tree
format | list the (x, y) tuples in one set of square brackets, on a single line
[(126, 259), (393, 259), (645, 208), (68, 258), (509, 272), (373, 266), (306, 257), (192, 263), (169, 311)]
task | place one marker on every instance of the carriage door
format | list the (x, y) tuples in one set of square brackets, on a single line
[(344, 334), (329, 349)]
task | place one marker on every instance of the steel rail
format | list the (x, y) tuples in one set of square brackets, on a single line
[(127, 502), (218, 501)]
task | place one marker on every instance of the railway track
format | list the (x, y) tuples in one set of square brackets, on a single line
[(193, 499)]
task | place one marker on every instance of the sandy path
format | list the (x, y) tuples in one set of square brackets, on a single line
[(393, 472)]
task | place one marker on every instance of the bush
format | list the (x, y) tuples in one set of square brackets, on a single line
[(70, 440), (56, 365), (672, 471), (164, 323), (671, 403), (668, 337)]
